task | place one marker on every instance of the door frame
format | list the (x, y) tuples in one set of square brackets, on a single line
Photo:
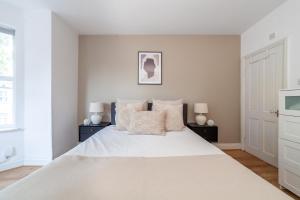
[(243, 82)]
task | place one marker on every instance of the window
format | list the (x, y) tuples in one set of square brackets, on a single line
[(7, 78)]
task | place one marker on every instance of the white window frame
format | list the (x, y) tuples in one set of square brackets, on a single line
[(11, 31)]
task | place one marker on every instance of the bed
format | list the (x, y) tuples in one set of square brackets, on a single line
[(113, 165)]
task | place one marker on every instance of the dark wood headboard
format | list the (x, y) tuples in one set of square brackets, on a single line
[(113, 112)]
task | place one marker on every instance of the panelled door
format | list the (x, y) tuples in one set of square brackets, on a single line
[(264, 79)]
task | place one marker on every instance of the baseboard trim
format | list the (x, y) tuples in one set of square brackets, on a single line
[(228, 146), (36, 162), (11, 165)]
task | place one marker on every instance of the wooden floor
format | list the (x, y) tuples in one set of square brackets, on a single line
[(258, 166), (10, 176)]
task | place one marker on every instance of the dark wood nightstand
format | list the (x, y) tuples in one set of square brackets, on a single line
[(209, 133), (87, 131)]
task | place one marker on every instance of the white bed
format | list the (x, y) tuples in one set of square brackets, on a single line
[(113, 165), (110, 142)]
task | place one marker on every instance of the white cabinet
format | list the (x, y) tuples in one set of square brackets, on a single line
[(289, 166), (289, 128), (289, 102), (289, 140)]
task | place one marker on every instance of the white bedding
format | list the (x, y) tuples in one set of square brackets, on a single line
[(109, 142), (134, 177)]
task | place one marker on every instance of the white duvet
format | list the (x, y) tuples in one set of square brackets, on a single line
[(109, 142), (208, 176)]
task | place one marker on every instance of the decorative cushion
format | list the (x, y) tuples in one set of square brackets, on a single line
[(123, 111), (174, 118), (147, 122)]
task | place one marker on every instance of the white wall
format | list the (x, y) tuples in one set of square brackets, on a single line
[(37, 123), (284, 22), (47, 74), (64, 86), (13, 17)]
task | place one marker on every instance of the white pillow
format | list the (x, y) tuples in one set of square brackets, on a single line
[(123, 111), (147, 122), (174, 116)]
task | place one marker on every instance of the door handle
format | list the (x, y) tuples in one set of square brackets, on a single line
[(275, 112)]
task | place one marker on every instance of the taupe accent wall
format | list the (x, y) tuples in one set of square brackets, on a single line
[(195, 68)]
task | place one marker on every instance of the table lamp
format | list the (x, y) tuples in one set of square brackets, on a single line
[(96, 108), (200, 109)]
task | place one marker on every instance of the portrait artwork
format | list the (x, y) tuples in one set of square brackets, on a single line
[(150, 68)]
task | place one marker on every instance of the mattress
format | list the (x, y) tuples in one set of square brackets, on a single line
[(111, 142)]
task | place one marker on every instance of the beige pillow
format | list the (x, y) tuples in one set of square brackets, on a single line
[(133, 101), (169, 102), (123, 111), (147, 122), (174, 116)]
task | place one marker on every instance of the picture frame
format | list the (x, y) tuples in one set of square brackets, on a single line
[(149, 68)]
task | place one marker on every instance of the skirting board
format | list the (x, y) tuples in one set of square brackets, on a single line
[(11, 165), (226, 146)]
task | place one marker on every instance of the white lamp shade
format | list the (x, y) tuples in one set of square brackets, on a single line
[(96, 107), (200, 108)]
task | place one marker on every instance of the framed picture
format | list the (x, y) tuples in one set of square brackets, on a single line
[(150, 68)]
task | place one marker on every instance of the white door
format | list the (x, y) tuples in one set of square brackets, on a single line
[(264, 78)]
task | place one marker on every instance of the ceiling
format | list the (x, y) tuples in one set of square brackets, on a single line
[(157, 16)]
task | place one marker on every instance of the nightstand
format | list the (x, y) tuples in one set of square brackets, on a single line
[(87, 131), (209, 133)]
